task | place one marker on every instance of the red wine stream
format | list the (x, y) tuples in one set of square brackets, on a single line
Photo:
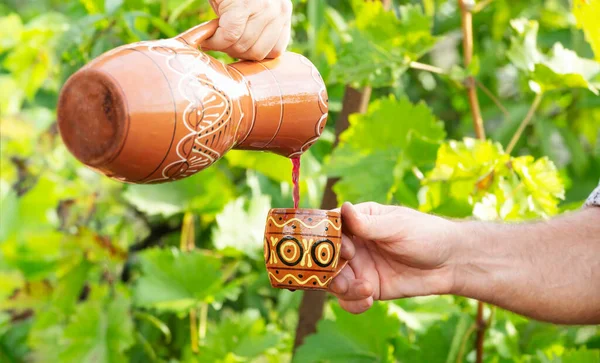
[(295, 177)]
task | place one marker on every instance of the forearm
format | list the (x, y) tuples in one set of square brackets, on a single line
[(545, 270)]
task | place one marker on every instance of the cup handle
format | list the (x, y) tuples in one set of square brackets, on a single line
[(196, 35)]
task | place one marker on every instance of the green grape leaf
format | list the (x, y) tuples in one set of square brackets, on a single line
[(9, 282), (11, 97), (380, 46), (37, 208), (361, 176), (478, 177), (420, 313), (36, 256), (72, 276), (206, 192), (271, 165), (243, 336), (13, 340), (564, 69), (587, 14), (46, 333), (392, 136), (541, 182), (523, 51), (111, 6), (173, 280), (10, 31), (352, 338), (33, 62), (101, 330), (581, 355), (279, 169), (240, 229), (560, 68), (435, 345), (9, 207)]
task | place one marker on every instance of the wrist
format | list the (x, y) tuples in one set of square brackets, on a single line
[(478, 261)]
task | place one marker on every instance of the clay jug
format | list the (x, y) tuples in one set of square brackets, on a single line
[(158, 111)]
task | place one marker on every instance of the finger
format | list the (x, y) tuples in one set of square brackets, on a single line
[(282, 43), (374, 208), (232, 25), (254, 32), (266, 41), (348, 249), (374, 227), (353, 289), (284, 38), (340, 284), (357, 306)]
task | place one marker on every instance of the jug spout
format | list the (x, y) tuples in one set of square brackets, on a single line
[(290, 105), (159, 111)]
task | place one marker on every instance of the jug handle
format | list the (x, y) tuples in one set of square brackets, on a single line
[(196, 35)]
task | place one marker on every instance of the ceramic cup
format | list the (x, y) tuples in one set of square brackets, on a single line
[(302, 248)]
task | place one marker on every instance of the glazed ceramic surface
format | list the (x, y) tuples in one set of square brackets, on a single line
[(302, 248), (158, 111)]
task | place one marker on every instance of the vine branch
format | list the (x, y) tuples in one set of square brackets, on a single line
[(467, 29), (524, 123), (493, 98), (438, 70), (427, 67), (463, 343)]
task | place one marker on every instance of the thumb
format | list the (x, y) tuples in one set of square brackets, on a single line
[(367, 226)]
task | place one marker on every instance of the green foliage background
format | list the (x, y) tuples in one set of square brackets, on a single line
[(96, 271)]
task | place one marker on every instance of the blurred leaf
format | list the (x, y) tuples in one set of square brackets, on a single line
[(420, 313), (32, 62), (172, 280), (10, 31), (100, 331), (435, 345), (541, 182), (581, 355), (239, 336), (11, 97), (352, 338), (587, 13), (35, 256), (560, 68), (13, 340), (9, 209), (206, 192), (481, 175), (9, 282), (564, 69), (110, 6), (380, 140), (380, 46), (242, 229), (523, 51), (272, 165)]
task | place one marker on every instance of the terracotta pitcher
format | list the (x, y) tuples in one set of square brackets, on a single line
[(158, 111)]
